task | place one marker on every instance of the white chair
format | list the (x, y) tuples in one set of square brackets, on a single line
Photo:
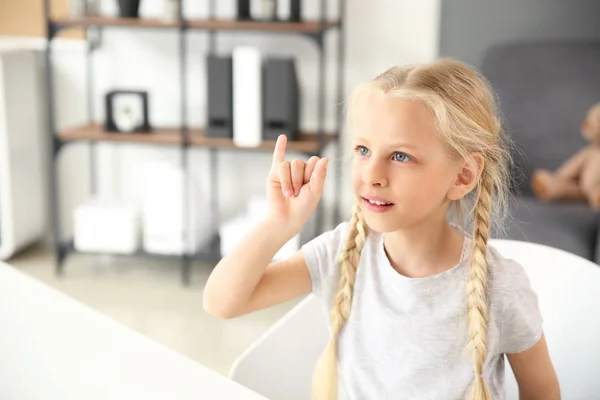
[(280, 364)]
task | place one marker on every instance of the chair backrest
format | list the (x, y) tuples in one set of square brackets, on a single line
[(569, 298), (280, 364), (545, 90)]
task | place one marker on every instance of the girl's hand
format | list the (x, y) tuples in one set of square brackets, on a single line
[(294, 188)]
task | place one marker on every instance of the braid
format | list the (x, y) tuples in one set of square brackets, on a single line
[(477, 297), (326, 378)]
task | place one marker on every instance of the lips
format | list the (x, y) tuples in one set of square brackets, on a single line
[(377, 201), (377, 204)]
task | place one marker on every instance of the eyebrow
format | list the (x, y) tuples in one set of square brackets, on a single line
[(394, 144)]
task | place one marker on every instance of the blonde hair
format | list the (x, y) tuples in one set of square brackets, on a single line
[(465, 111)]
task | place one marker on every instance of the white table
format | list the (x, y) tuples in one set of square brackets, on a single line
[(54, 348)]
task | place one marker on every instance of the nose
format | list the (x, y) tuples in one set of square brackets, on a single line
[(375, 173)]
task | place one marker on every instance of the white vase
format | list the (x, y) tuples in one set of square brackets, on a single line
[(77, 8), (171, 10), (247, 96)]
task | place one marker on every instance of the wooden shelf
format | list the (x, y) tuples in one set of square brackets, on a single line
[(307, 142), (233, 25), (200, 24), (96, 132), (115, 22)]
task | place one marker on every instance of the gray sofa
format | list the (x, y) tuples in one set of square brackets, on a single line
[(544, 90)]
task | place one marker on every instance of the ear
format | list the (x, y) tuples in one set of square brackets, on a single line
[(468, 175)]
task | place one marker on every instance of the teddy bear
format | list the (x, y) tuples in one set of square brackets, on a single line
[(578, 178)]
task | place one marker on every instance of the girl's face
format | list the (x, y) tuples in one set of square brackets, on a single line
[(400, 161)]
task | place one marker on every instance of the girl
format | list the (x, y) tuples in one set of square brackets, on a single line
[(419, 308)]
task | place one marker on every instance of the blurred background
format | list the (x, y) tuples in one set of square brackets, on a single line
[(125, 176)]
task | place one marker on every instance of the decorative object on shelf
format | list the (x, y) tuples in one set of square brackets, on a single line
[(127, 111), (264, 10), (247, 96), (77, 8), (92, 8), (106, 226), (243, 10), (289, 10), (163, 215), (171, 10), (282, 99), (220, 96), (129, 8)]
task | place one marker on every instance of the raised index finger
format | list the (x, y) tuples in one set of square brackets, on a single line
[(279, 152)]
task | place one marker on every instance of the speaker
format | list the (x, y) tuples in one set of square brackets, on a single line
[(220, 97), (282, 99), (243, 10)]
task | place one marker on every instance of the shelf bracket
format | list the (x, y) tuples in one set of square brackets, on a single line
[(316, 37)]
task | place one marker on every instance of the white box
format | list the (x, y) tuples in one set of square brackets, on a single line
[(236, 229), (106, 226), (163, 216), (258, 205)]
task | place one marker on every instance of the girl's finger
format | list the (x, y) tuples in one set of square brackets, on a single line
[(285, 178), (319, 175), (310, 167), (279, 151), (297, 168)]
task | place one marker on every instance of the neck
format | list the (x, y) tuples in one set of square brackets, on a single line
[(425, 249)]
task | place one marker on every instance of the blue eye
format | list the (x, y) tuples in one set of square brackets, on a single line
[(401, 157), (362, 150)]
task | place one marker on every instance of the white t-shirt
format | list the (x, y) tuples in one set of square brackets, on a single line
[(406, 337)]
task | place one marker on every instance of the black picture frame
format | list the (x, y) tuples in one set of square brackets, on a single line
[(110, 125)]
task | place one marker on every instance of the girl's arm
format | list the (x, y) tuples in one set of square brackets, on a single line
[(245, 280), (535, 373)]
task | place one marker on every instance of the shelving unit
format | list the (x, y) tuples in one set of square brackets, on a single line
[(184, 137)]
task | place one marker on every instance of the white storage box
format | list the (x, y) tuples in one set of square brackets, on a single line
[(258, 205), (236, 229), (106, 226), (163, 212)]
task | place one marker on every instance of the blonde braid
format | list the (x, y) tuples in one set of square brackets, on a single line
[(477, 296), (326, 373)]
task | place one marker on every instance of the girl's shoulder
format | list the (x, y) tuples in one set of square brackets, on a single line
[(514, 303), (508, 278)]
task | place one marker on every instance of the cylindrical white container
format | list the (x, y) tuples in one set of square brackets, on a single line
[(247, 96)]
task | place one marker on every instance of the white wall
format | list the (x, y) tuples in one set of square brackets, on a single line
[(379, 33)]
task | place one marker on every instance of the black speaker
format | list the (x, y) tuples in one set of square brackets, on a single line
[(220, 97), (296, 12), (281, 99), (243, 10)]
